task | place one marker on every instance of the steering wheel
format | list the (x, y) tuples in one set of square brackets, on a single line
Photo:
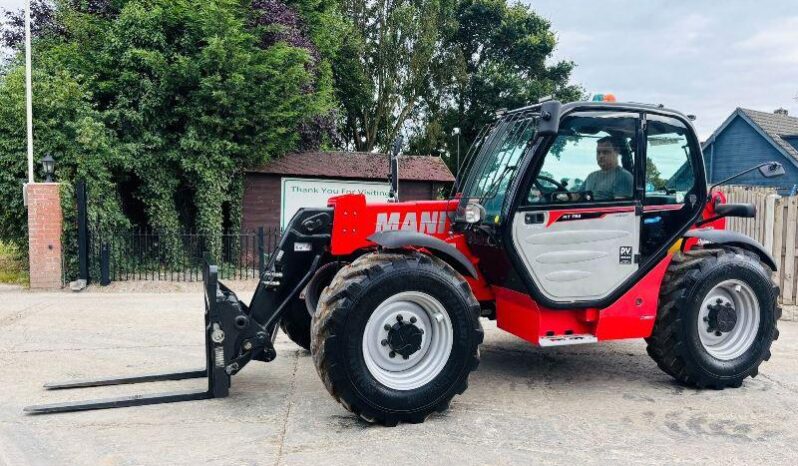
[(542, 193), (559, 185), (560, 192)]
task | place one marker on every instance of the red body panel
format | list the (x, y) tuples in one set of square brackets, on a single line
[(709, 212), (630, 316), (354, 220)]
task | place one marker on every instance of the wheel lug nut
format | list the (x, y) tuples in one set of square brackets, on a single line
[(387, 327), (384, 342), (399, 318), (718, 333), (391, 354), (412, 320)]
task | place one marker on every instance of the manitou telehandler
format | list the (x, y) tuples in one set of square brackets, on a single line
[(569, 224)]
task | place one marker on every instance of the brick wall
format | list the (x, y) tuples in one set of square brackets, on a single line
[(44, 235), (261, 203)]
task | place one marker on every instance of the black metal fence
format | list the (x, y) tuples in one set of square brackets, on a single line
[(141, 254)]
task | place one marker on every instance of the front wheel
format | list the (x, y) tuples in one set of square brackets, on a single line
[(395, 336), (716, 319)]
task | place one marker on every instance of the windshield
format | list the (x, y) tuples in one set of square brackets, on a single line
[(494, 166)]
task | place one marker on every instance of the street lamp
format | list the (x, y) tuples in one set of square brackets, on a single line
[(456, 131), (48, 163)]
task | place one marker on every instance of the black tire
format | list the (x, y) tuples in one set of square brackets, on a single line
[(675, 343), (320, 280), (340, 321), (297, 318), (295, 322)]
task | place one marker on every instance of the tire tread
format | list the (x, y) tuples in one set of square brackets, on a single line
[(334, 304), (667, 344)]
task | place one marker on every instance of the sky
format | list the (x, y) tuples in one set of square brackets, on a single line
[(700, 57)]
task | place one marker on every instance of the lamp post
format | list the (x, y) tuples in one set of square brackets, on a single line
[(456, 131), (28, 92), (48, 164)]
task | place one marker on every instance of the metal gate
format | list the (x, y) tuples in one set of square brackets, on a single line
[(147, 254)]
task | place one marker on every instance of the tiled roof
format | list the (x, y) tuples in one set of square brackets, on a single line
[(356, 165), (778, 127)]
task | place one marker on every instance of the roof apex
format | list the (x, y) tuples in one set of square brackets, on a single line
[(772, 126)]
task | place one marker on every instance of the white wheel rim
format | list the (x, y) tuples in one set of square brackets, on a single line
[(422, 366), (732, 344)]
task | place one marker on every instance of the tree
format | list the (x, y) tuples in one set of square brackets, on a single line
[(174, 98), (386, 65), (654, 176), (501, 52)]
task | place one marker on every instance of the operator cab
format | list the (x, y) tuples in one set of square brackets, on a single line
[(578, 201)]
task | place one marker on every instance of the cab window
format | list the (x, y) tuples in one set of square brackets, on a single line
[(497, 162), (671, 196), (591, 160), (669, 173)]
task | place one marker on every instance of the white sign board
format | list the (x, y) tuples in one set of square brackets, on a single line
[(296, 193)]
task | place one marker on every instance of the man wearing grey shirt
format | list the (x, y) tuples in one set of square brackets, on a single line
[(612, 181)]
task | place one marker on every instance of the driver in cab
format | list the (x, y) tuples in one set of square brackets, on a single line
[(612, 181)]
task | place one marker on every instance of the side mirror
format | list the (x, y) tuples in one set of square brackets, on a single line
[(767, 169), (549, 120), (736, 210), (771, 169)]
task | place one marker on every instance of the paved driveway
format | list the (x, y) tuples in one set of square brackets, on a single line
[(588, 404)]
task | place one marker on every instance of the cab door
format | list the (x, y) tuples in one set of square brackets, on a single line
[(577, 226)]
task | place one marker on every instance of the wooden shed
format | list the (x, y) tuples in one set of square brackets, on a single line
[(273, 192)]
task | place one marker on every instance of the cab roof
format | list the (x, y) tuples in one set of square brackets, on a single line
[(618, 106), (610, 106)]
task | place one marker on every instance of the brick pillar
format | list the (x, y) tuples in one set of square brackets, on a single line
[(44, 235)]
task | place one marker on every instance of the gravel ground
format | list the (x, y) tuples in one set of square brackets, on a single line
[(584, 404)]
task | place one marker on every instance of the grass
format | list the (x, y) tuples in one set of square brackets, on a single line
[(13, 266)]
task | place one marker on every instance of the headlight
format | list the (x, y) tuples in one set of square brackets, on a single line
[(474, 213)]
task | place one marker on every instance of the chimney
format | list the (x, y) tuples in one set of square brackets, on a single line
[(781, 111)]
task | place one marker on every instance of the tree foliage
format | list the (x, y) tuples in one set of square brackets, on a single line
[(654, 176), (170, 99), (428, 66), (502, 58), (387, 64)]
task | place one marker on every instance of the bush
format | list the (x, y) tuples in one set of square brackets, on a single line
[(163, 102), (13, 268)]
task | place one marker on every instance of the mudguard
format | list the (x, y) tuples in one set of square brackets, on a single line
[(732, 238), (396, 239)]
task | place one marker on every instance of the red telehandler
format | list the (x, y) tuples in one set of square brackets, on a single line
[(570, 224)]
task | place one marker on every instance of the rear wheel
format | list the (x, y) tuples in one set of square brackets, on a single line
[(295, 322), (395, 336), (296, 319), (716, 319)]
